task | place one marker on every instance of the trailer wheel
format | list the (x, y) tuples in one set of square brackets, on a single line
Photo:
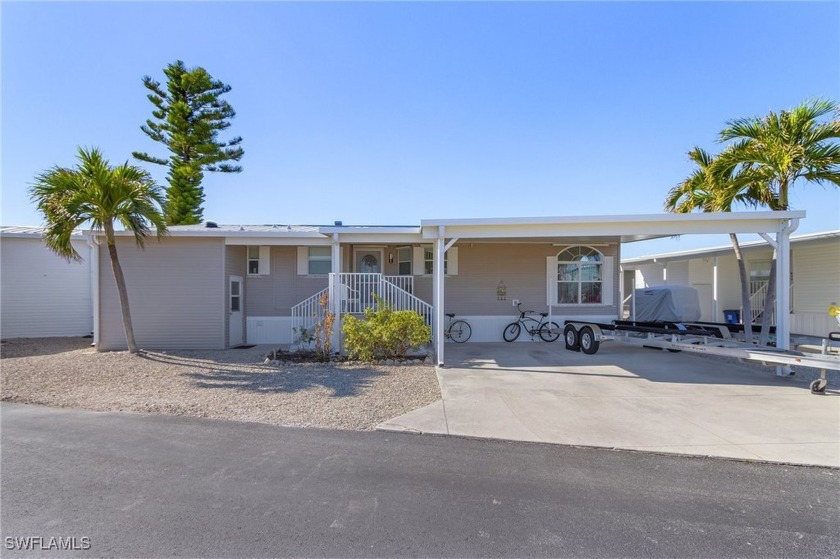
[(588, 344), (571, 337), (818, 386)]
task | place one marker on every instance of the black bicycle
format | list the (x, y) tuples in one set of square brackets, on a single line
[(548, 331), (459, 331)]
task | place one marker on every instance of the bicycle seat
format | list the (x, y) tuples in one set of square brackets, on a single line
[(450, 315), (543, 314)]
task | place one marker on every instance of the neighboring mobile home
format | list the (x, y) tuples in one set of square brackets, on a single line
[(814, 279), (43, 294), (218, 286)]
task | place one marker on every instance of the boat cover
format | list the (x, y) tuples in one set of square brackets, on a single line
[(667, 303)]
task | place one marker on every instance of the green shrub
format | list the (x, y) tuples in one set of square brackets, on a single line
[(384, 333)]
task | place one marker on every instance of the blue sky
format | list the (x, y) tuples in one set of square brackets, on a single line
[(387, 113)]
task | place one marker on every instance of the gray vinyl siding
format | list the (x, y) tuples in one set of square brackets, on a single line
[(235, 265), (42, 293), (175, 294), (276, 293), (522, 268)]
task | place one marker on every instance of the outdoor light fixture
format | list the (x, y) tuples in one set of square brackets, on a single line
[(390, 258)]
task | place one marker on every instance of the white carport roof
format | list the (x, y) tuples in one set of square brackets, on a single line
[(627, 228)]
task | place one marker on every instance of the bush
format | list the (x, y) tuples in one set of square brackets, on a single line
[(384, 333)]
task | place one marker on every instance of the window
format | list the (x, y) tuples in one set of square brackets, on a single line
[(760, 270), (258, 260), (320, 260), (429, 259), (404, 261), (235, 295), (579, 276)]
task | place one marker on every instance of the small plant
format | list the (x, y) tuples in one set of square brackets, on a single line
[(384, 333), (324, 329), (303, 337)]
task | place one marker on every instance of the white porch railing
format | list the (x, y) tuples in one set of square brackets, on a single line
[(406, 283), (758, 291), (357, 292), (306, 314), (354, 293)]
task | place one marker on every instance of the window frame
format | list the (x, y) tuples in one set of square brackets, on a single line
[(400, 261), (318, 259), (262, 261), (429, 263), (579, 263)]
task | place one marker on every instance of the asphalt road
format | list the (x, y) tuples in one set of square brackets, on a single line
[(144, 485)]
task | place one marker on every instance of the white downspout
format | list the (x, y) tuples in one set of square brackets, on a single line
[(715, 309), (620, 294), (438, 295)]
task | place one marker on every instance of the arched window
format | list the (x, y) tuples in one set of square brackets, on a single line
[(580, 276)]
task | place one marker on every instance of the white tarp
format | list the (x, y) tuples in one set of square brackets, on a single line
[(668, 303)]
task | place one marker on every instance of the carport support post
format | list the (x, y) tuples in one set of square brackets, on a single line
[(783, 284), (335, 292), (437, 294)]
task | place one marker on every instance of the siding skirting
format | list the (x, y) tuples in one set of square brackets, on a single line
[(269, 329)]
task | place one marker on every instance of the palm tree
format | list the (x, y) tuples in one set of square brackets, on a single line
[(94, 192), (779, 150), (715, 187)]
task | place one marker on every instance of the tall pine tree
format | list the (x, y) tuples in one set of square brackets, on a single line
[(187, 119)]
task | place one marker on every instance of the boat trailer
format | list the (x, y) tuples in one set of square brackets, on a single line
[(705, 338)]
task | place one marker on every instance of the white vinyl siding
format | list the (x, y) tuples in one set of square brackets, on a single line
[(175, 291), (43, 294), (816, 279)]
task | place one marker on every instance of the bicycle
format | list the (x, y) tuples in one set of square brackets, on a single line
[(459, 331), (549, 331)]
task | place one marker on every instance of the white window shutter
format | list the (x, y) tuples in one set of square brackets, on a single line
[(265, 261), (452, 264), (418, 264), (608, 280), (302, 261), (551, 280)]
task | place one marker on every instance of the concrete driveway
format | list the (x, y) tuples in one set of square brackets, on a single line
[(630, 398)]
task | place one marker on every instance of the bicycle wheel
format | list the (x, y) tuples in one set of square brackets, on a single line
[(549, 332), (511, 332), (460, 331)]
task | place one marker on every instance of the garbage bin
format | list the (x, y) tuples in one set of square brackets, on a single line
[(732, 316)]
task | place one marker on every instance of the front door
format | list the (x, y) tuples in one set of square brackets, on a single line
[(369, 261), (235, 309)]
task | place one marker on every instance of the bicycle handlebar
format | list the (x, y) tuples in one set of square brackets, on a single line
[(523, 313)]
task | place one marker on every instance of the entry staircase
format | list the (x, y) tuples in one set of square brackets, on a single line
[(758, 291), (351, 293)]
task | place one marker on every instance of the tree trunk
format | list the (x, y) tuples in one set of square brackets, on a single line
[(119, 278), (769, 301), (746, 305)]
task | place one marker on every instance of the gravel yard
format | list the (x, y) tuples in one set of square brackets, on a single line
[(224, 384)]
